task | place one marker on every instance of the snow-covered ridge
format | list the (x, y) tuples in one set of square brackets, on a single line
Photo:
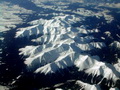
[(58, 44), (61, 45), (59, 40)]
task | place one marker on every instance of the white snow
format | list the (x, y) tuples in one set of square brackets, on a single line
[(113, 89), (4, 88), (86, 86), (61, 44), (8, 17), (104, 69), (115, 45)]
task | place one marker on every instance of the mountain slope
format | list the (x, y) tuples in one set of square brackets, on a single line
[(73, 44), (60, 46)]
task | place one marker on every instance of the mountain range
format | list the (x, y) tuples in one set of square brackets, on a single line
[(50, 45)]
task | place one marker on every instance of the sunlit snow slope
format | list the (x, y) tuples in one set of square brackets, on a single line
[(68, 44), (59, 46)]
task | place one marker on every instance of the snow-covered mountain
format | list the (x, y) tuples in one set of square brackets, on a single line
[(69, 45), (59, 46)]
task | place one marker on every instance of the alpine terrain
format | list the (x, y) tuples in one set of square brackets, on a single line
[(59, 45)]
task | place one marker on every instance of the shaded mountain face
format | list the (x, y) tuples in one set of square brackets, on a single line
[(60, 45)]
